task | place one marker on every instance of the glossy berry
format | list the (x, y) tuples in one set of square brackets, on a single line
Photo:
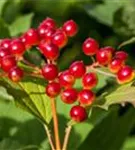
[(46, 32), (5, 43), (90, 47), (8, 62), (66, 79), (49, 22), (17, 47), (4, 52), (125, 75), (32, 37), (49, 50), (115, 65), (15, 74), (78, 113), (50, 71), (108, 48), (86, 97), (77, 69), (104, 56), (89, 80), (70, 28), (53, 89), (59, 38), (69, 96), (121, 55)]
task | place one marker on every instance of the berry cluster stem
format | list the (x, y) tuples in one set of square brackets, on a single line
[(55, 123)]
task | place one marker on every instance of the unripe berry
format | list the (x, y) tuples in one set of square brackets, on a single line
[(4, 52), (49, 22), (5, 43), (77, 69), (49, 50), (53, 89), (70, 28), (104, 56), (59, 38), (115, 65), (50, 71), (125, 75), (17, 47), (69, 96), (78, 113), (89, 80), (90, 47), (8, 62), (66, 79), (46, 32), (32, 37), (121, 55), (86, 97), (15, 74)]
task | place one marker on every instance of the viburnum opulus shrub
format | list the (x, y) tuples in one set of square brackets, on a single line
[(49, 39)]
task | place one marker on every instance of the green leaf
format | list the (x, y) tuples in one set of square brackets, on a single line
[(4, 31), (124, 19), (21, 24), (4, 95), (29, 95), (129, 144), (123, 94), (111, 133), (104, 12), (2, 4)]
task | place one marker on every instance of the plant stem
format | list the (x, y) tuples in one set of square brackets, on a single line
[(55, 123), (103, 72), (49, 137), (66, 138)]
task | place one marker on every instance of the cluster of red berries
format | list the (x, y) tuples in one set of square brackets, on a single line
[(49, 40)]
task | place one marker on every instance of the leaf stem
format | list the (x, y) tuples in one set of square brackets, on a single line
[(66, 138), (55, 123), (49, 137)]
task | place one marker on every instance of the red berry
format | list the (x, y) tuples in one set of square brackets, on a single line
[(121, 55), (115, 65), (32, 37), (15, 74), (49, 50), (8, 62), (77, 69), (90, 46), (108, 48), (104, 56), (69, 96), (4, 52), (86, 97), (46, 32), (66, 79), (17, 47), (53, 89), (125, 75), (78, 113), (59, 38), (5, 43), (89, 80), (49, 22), (50, 71), (70, 28)]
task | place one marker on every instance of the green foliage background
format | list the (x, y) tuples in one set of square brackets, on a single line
[(110, 22)]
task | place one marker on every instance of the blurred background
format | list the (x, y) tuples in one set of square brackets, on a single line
[(110, 22)]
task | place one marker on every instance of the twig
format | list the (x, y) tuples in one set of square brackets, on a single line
[(55, 123), (66, 138), (49, 137)]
